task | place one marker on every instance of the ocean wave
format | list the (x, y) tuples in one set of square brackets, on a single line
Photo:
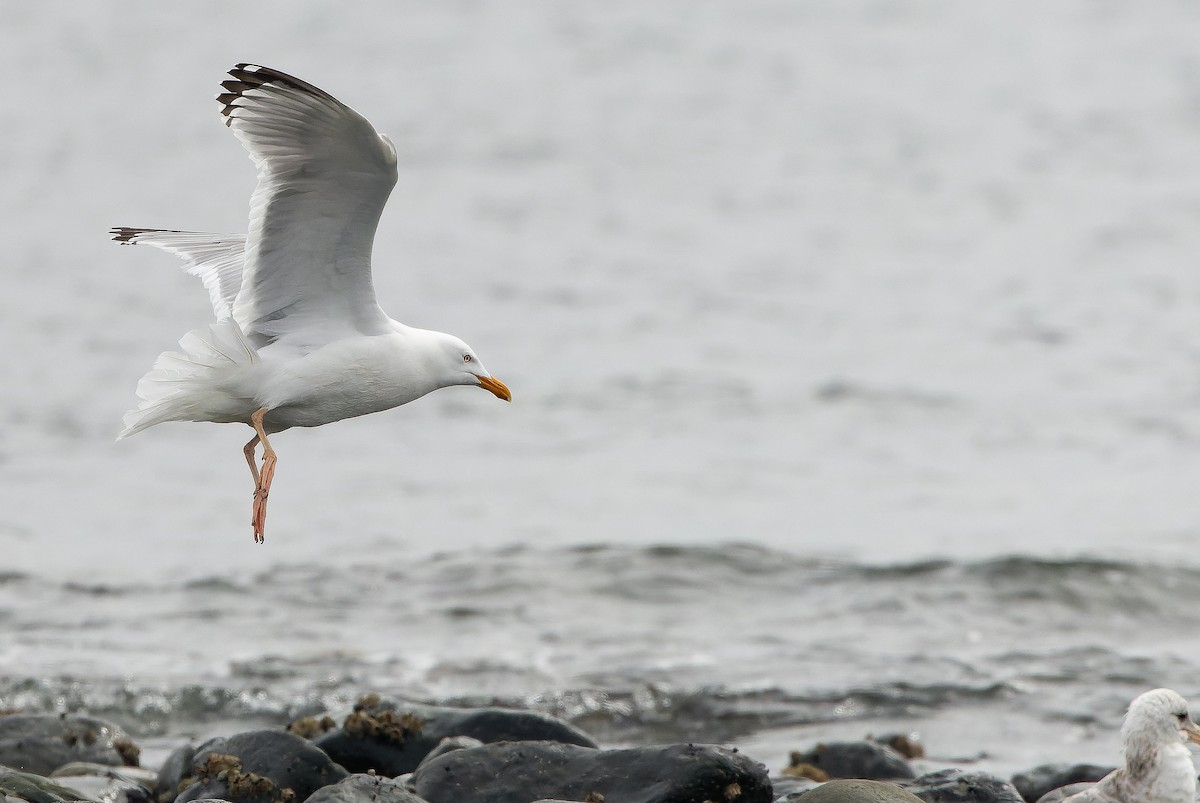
[(631, 643)]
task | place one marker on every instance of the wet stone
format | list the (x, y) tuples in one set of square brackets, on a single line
[(858, 791), (33, 788), (449, 745), (109, 790), (41, 743), (860, 760), (108, 784), (392, 738), (258, 767), (957, 786), (536, 770), (1035, 783), (171, 774), (365, 789)]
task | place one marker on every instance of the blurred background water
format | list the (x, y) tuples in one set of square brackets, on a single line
[(853, 348)]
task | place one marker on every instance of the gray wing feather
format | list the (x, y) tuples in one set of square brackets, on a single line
[(216, 258), (324, 175)]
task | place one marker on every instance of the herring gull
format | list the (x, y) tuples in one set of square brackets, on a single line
[(1158, 766), (299, 340)]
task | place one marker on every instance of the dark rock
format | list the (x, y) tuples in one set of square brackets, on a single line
[(1064, 792), (858, 791), (449, 745), (860, 760), (33, 788), (392, 738), (259, 767), (170, 776), (1034, 783), (680, 773), (41, 743), (957, 786), (365, 789)]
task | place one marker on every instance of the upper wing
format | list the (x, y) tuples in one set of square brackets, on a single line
[(215, 258), (324, 175)]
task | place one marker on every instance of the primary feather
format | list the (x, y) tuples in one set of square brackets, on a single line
[(324, 175)]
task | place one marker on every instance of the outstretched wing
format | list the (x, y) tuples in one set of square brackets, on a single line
[(215, 258), (324, 175)]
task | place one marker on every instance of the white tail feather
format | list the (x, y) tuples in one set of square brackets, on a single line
[(186, 385)]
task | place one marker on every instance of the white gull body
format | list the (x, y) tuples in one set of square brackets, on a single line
[(1158, 766), (299, 340)]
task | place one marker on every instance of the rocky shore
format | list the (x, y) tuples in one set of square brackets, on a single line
[(386, 751)]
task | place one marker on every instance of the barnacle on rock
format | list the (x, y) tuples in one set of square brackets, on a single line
[(387, 725), (308, 727), (228, 770)]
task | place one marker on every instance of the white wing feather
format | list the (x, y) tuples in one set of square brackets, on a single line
[(216, 258), (324, 175)]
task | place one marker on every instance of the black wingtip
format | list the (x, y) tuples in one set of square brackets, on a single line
[(247, 76), (124, 235), (127, 235)]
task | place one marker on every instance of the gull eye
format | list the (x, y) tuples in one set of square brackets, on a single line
[(1181, 717), (467, 358)]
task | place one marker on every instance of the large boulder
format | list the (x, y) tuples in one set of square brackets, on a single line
[(262, 766), (392, 738), (858, 791), (41, 743), (505, 771), (957, 786)]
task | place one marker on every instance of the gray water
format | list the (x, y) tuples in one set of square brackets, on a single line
[(853, 348)]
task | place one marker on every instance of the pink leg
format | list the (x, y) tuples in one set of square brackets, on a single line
[(258, 517), (248, 450)]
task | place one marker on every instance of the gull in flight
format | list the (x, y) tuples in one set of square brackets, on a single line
[(1158, 767), (300, 339)]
